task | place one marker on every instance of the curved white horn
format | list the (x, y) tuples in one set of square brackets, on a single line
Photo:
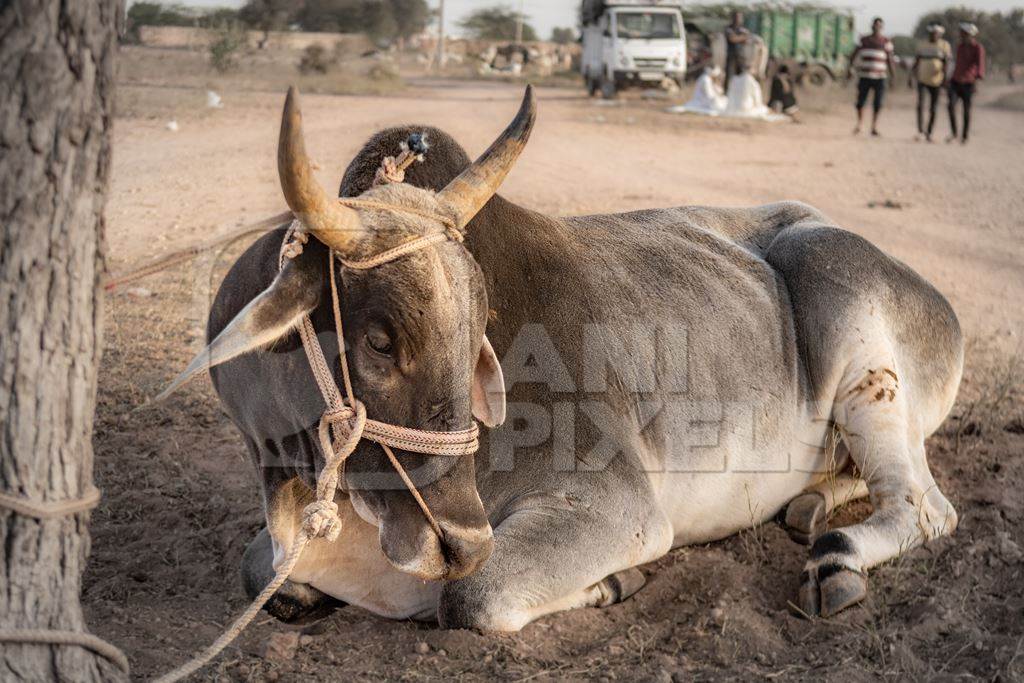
[(470, 190), (334, 224)]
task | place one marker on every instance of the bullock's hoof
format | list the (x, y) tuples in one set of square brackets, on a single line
[(829, 589), (806, 518), (295, 603), (830, 583), (620, 586)]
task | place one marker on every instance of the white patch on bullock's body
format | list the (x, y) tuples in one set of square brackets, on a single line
[(353, 568), (734, 486)]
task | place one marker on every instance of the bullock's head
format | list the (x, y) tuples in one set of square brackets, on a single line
[(414, 334)]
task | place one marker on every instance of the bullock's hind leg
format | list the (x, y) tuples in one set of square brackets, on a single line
[(806, 516), (886, 442)]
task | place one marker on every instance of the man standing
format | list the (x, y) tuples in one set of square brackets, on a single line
[(931, 64), (970, 68), (736, 38), (873, 61)]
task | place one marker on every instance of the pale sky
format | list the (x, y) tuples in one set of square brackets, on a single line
[(900, 15)]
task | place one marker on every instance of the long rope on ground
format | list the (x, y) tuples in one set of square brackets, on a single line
[(346, 418), (73, 638), (320, 518), (185, 255), (203, 658), (47, 510)]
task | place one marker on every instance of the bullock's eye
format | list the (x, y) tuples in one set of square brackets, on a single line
[(378, 340)]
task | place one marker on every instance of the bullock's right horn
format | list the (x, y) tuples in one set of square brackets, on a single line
[(469, 191), (334, 224)]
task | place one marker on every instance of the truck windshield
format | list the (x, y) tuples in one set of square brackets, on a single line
[(646, 25)]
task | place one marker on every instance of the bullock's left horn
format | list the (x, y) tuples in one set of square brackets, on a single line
[(334, 224), (470, 190)]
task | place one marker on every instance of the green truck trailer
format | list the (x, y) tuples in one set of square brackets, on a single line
[(816, 43)]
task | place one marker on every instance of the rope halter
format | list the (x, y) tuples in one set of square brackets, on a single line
[(344, 422)]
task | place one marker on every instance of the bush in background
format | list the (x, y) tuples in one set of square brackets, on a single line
[(316, 59), (229, 40), (563, 35), (384, 71)]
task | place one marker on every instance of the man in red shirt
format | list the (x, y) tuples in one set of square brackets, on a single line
[(970, 68)]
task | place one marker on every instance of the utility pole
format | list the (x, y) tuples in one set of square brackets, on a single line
[(519, 23), (440, 36)]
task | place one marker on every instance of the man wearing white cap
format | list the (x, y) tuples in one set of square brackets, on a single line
[(970, 68), (931, 64)]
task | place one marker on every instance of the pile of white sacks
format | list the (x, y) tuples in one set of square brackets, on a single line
[(745, 99)]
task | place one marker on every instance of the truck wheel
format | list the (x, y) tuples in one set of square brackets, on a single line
[(816, 76), (608, 90)]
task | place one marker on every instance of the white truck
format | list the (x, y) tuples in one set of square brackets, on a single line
[(632, 43)]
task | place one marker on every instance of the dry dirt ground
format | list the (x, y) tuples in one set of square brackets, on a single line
[(181, 502)]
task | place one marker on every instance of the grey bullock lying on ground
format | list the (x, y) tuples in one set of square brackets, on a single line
[(673, 377)]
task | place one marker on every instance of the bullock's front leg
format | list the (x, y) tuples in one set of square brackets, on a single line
[(555, 551), (293, 603), (873, 412)]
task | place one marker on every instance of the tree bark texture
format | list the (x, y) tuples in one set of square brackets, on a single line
[(56, 108)]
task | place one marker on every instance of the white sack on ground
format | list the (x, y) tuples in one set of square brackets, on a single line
[(707, 99), (747, 101)]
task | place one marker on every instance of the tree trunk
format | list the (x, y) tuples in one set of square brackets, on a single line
[(56, 104)]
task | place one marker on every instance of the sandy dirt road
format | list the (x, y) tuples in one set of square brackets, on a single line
[(961, 225), (181, 501)]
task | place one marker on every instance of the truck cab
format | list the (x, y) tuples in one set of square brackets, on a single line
[(629, 44)]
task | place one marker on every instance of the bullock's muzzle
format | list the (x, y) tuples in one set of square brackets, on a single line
[(413, 547)]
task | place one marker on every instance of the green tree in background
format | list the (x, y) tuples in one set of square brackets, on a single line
[(158, 14), (563, 35), (378, 22), (385, 21), (1002, 34), (267, 16), (411, 16), (496, 23)]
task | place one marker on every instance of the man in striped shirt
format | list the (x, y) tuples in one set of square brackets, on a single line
[(873, 61)]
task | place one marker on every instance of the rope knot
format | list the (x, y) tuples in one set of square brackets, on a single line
[(392, 169), (294, 246), (320, 519), (340, 414)]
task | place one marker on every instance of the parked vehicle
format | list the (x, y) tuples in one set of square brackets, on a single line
[(815, 43), (632, 43)]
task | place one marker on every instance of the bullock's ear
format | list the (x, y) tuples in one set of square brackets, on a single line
[(271, 315), (488, 388)]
